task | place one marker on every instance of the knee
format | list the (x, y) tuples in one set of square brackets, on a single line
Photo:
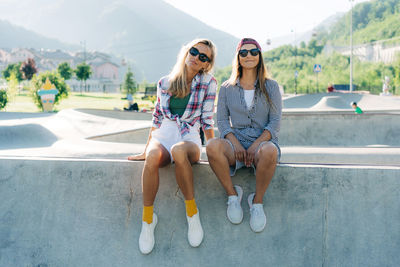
[(268, 154), (153, 158), (179, 153), (214, 147)]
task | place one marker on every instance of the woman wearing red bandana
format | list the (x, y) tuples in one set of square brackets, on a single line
[(248, 115)]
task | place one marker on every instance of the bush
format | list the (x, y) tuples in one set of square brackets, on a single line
[(56, 80), (3, 99)]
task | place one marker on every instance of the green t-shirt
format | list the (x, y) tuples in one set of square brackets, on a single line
[(358, 110), (178, 105)]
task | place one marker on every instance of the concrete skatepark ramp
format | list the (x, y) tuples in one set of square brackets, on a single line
[(87, 213), (331, 102), (68, 197)]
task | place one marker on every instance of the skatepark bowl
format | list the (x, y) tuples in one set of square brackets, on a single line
[(69, 197)]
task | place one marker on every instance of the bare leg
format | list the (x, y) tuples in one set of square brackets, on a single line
[(157, 156), (265, 162), (185, 154), (220, 156)]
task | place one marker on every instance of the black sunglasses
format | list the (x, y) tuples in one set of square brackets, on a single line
[(254, 52), (202, 57)]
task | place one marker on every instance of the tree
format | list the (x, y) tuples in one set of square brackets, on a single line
[(129, 86), (13, 68), (56, 79), (3, 99), (12, 87), (28, 69), (83, 72), (65, 70)]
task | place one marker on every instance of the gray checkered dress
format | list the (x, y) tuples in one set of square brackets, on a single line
[(248, 124)]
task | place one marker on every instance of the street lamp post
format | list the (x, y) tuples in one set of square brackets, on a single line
[(351, 46), (295, 63)]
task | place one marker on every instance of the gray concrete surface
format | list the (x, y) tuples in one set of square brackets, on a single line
[(340, 129), (326, 129), (341, 100), (305, 137), (80, 212)]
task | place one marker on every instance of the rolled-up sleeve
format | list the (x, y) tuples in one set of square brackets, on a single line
[(275, 112), (207, 110), (157, 113), (224, 125)]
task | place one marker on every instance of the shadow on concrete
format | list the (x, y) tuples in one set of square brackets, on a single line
[(116, 114), (25, 136), (4, 115)]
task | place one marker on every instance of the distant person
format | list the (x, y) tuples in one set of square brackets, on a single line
[(330, 88), (249, 114), (386, 87), (185, 102), (131, 106), (356, 108)]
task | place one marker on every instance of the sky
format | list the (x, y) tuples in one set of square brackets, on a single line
[(263, 19)]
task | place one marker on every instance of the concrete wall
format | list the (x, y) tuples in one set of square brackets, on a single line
[(340, 129), (332, 129), (79, 212)]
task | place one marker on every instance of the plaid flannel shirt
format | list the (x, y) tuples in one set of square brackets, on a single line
[(200, 108)]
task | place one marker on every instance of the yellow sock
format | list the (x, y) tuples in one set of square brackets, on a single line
[(191, 208), (147, 214)]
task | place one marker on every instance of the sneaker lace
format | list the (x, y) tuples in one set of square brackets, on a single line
[(233, 202), (255, 210)]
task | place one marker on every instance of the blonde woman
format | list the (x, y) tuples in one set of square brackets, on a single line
[(185, 102), (248, 114)]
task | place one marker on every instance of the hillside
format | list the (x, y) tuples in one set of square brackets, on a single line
[(149, 34), (16, 36), (374, 20)]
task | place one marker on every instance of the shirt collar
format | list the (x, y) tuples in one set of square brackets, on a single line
[(197, 77)]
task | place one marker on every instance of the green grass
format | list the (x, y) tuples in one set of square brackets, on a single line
[(24, 103)]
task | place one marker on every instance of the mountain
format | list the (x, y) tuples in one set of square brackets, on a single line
[(320, 29), (373, 20), (16, 36), (148, 34)]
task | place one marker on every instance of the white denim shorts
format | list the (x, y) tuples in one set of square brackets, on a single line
[(169, 134)]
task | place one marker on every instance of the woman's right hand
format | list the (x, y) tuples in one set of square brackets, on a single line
[(137, 157), (240, 152)]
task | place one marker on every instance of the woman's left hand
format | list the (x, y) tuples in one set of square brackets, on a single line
[(141, 156), (251, 153)]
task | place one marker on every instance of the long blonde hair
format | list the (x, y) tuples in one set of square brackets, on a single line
[(177, 78), (262, 73)]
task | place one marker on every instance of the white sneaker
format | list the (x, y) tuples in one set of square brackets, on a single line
[(234, 210), (257, 215), (195, 231), (146, 239)]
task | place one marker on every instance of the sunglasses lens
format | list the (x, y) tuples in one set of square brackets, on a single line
[(203, 58), (193, 51), (254, 52), (243, 53)]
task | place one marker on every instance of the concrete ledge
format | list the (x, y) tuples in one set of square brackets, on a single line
[(371, 156), (80, 212), (332, 129)]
